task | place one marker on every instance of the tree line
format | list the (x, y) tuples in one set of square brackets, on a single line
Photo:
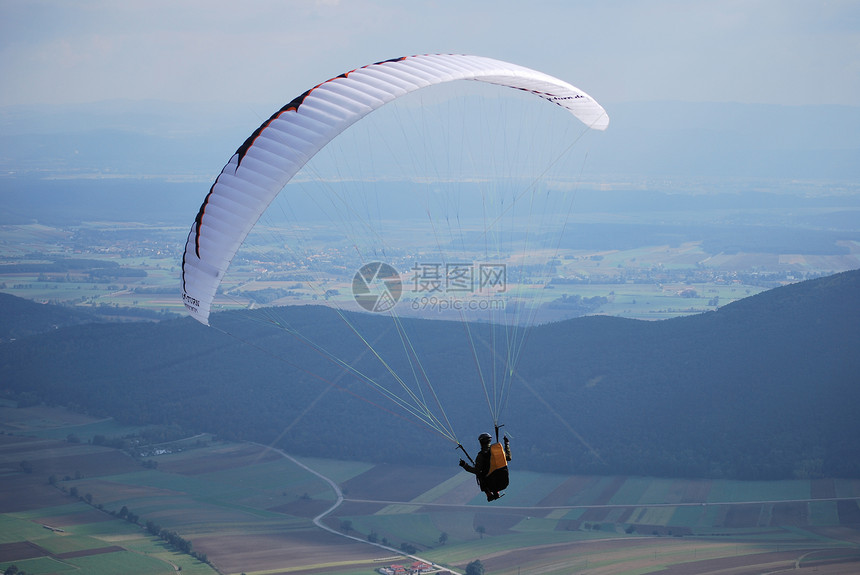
[(171, 538)]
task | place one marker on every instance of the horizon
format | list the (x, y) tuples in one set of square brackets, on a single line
[(764, 52)]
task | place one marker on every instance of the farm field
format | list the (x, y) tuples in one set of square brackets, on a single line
[(129, 265), (249, 509)]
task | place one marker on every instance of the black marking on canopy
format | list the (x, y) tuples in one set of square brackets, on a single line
[(246, 145), (198, 221), (294, 105)]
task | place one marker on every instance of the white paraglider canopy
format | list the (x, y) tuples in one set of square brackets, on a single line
[(278, 149)]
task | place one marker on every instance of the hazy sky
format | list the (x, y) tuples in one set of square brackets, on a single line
[(267, 51)]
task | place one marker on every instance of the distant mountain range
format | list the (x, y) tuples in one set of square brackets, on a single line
[(645, 140), (764, 388)]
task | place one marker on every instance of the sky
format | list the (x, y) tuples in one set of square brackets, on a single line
[(795, 52)]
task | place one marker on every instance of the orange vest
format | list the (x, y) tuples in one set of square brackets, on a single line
[(497, 457), (497, 475)]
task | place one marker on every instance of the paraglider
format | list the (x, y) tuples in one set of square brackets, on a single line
[(490, 466), (276, 150), (279, 148)]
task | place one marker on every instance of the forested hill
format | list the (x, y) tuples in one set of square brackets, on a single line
[(22, 317), (766, 387)]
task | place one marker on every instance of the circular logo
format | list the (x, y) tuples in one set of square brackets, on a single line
[(377, 287)]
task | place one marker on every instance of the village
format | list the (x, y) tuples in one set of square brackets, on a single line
[(416, 568)]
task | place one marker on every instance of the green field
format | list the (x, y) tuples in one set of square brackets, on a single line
[(248, 509), (142, 271)]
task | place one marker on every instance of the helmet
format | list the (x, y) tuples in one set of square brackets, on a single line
[(485, 438)]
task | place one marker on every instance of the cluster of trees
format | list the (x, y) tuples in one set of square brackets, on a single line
[(578, 304), (172, 538), (373, 537), (266, 295), (175, 540), (61, 270)]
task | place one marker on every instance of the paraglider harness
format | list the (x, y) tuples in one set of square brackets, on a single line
[(496, 478)]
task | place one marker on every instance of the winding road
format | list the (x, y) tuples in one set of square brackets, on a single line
[(318, 520)]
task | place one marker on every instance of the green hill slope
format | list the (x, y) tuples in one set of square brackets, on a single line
[(763, 388)]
